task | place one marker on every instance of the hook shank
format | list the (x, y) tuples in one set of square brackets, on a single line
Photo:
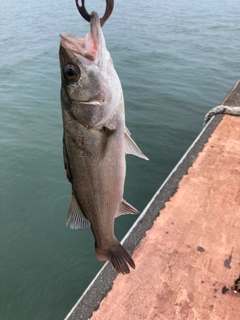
[(83, 11)]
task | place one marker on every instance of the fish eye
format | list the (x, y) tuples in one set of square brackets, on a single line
[(71, 72)]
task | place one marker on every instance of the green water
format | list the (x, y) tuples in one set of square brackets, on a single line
[(176, 60)]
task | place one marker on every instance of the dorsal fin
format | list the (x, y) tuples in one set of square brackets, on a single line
[(126, 208), (76, 216), (131, 146)]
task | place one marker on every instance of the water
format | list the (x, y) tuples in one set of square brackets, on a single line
[(176, 60)]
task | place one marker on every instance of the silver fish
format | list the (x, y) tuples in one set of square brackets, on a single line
[(95, 141)]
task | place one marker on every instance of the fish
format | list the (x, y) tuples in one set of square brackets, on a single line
[(95, 141)]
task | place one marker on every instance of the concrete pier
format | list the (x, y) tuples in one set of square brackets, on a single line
[(185, 244)]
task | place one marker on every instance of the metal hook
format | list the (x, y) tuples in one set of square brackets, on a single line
[(82, 10)]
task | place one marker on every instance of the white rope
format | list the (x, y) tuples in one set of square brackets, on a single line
[(234, 111)]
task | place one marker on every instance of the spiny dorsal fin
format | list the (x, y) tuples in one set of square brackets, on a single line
[(131, 146), (126, 208), (76, 216)]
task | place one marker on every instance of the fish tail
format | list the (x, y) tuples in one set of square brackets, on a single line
[(118, 256)]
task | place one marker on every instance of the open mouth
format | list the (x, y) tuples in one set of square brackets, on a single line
[(82, 48)]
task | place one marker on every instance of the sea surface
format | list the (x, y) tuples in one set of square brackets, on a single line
[(176, 60)]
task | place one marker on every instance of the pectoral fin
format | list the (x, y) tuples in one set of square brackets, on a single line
[(76, 216), (66, 164), (131, 146), (126, 208)]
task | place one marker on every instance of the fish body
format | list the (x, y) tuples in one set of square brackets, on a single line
[(95, 141)]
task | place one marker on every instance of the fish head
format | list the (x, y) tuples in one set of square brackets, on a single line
[(91, 88)]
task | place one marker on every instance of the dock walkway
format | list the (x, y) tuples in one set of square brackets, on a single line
[(185, 244)]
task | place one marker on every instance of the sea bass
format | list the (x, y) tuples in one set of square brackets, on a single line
[(95, 141)]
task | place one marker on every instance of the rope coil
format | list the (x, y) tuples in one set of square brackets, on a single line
[(234, 111)]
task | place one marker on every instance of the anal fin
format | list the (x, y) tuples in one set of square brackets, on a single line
[(131, 146), (76, 217), (126, 208)]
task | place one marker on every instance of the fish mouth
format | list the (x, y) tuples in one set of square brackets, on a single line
[(86, 50), (77, 46)]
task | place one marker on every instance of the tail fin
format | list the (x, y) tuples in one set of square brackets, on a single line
[(119, 258)]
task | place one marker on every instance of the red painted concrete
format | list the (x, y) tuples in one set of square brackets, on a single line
[(193, 248)]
